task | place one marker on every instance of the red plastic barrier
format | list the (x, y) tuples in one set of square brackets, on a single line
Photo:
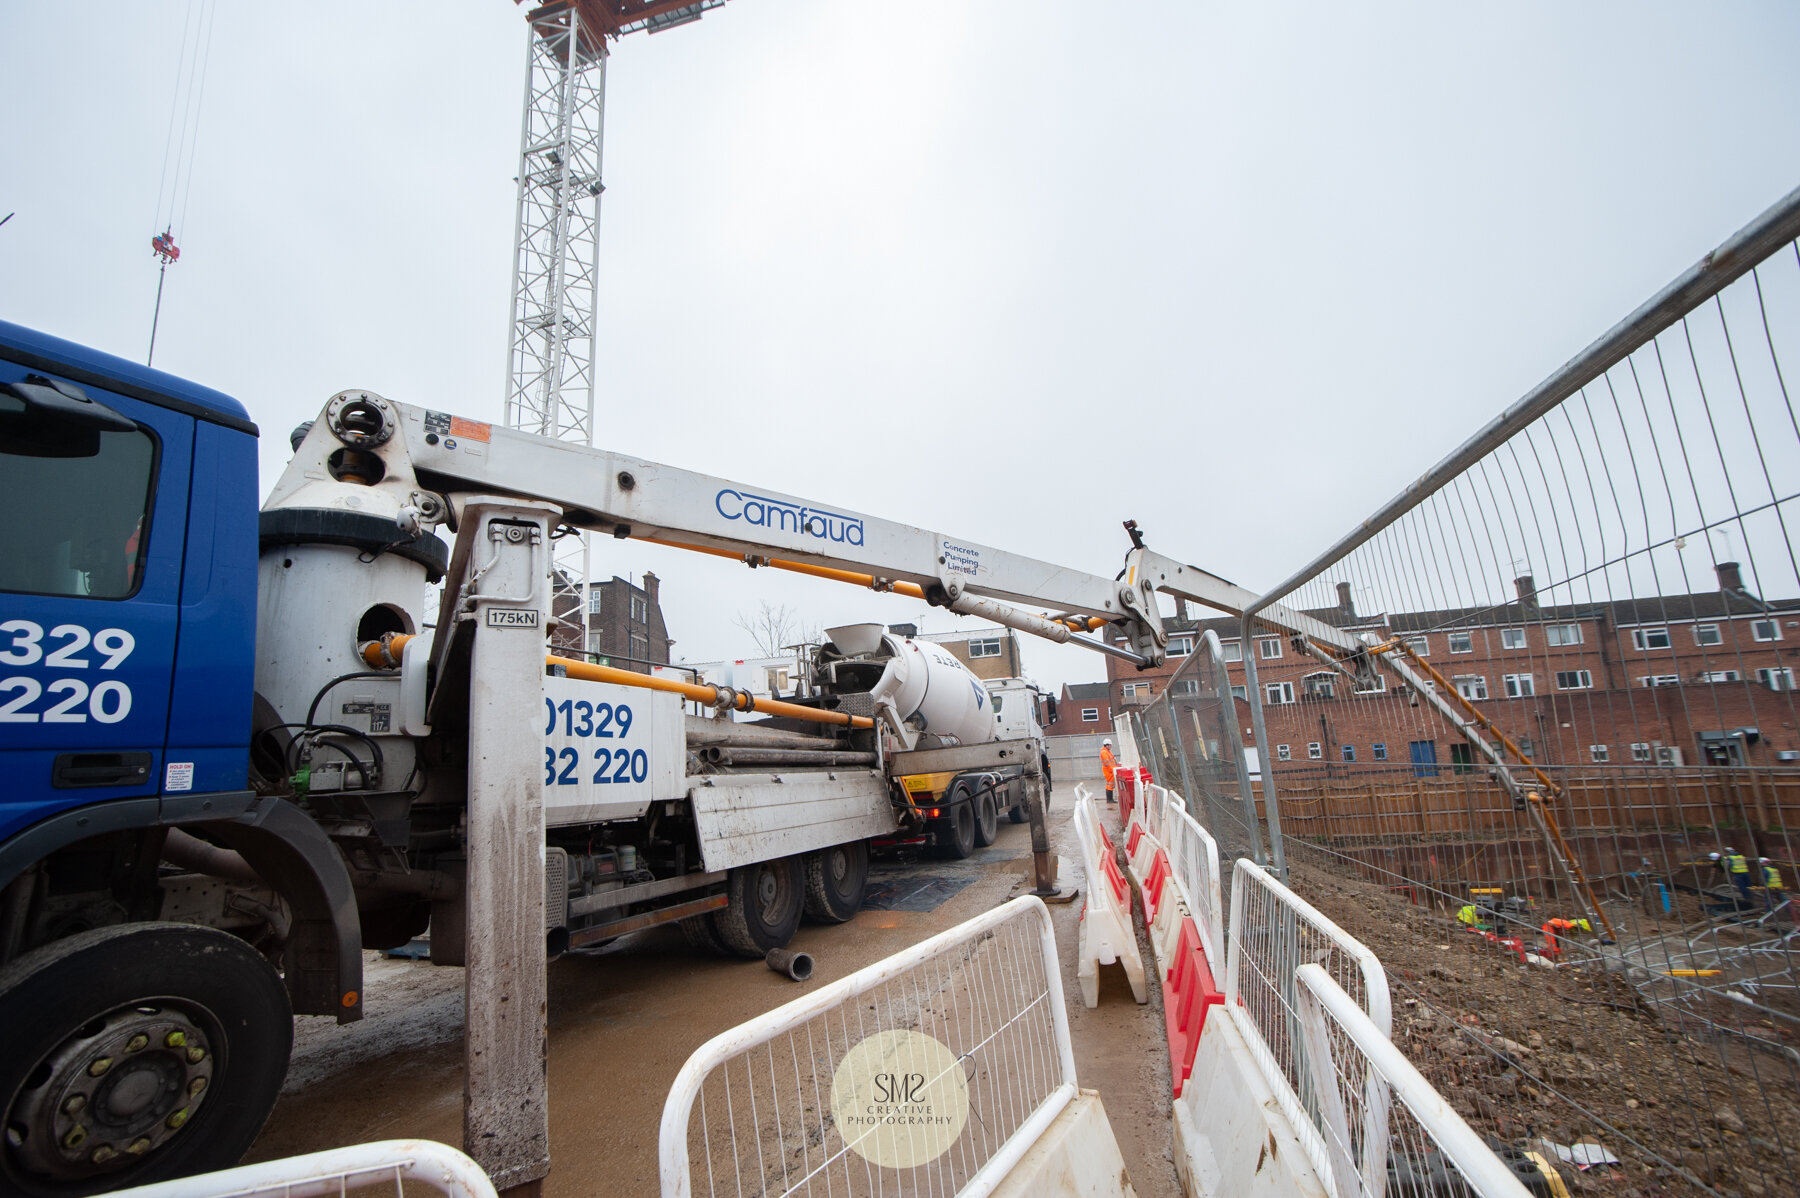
[(1121, 888), (1137, 833), (1188, 990), (1155, 886), (1125, 790)]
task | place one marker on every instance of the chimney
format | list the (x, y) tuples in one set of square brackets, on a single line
[(1731, 579), (1346, 604), (1527, 591), (651, 582)]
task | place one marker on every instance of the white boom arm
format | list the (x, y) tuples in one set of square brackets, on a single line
[(604, 491)]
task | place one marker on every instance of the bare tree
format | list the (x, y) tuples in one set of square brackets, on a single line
[(773, 629)]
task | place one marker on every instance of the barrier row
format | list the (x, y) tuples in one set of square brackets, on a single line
[(1309, 1013), (405, 1165), (1106, 936)]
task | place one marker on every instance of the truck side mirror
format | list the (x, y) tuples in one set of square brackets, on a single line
[(1049, 710)]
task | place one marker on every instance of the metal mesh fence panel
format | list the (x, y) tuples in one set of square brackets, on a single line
[(1568, 726), (788, 1104), (1192, 738)]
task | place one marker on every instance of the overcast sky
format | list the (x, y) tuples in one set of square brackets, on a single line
[(1012, 271)]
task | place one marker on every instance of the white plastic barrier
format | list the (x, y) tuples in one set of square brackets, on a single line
[(968, 1027), (1195, 855), (1106, 933), (1421, 1147), (399, 1163), (1273, 932)]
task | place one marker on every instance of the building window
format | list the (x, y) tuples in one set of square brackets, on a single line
[(1241, 692), (1180, 646), (778, 682), (1512, 638), (1563, 634), (1471, 686), (593, 601), (1462, 642), (1315, 751), (1780, 678), (1650, 638), (1462, 759), (1420, 645), (989, 647), (1090, 715), (1765, 630), (1640, 751), (1269, 648), (1319, 686), (1232, 650), (1374, 684), (640, 647), (1719, 676), (1133, 689), (1284, 753), (640, 609), (1189, 687), (1660, 680), (1349, 752), (1379, 751), (1574, 680), (1278, 692), (1599, 754), (1707, 634)]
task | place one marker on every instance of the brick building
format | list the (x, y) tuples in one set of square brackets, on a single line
[(1694, 679), (1083, 708), (988, 652), (625, 625)]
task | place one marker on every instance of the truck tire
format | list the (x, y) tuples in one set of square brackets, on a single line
[(190, 1029), (767, 899), (956, 831), (836, 879), (697, 931), (987, 817)]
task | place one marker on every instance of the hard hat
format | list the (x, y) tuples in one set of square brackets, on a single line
[(1762, 860), (1714, 856), (1107, 743), (1729, 850)]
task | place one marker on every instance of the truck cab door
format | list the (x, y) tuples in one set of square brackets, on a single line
[(94, 492)]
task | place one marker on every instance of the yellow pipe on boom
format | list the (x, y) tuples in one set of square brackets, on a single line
[(384, 654)]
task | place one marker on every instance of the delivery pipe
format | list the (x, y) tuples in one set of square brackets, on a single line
[(385, 654), (796, 965), (704, 730)]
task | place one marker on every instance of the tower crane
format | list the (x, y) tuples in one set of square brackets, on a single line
[(552, 342)]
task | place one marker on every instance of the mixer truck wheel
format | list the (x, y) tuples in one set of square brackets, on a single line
[(835, 881), (987, 818), (136, 1053), (956, 829), (767, 899)]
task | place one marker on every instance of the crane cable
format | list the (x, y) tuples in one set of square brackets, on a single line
[(172, 190)]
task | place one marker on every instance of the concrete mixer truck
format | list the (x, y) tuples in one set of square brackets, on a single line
[(239, 746)]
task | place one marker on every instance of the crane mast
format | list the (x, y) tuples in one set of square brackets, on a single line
[(552, 343)]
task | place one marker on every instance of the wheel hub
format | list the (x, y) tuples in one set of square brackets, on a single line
[(115, 1091)]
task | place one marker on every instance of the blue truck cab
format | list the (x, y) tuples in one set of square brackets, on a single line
[(145, 1021), (127, 583)]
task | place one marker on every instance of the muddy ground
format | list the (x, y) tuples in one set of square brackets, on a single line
[(1574, 1054), (623, 1021)]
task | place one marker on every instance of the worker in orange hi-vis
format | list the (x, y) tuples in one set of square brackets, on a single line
[(1108, 765)]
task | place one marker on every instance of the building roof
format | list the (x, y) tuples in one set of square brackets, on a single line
[(1085, 690)]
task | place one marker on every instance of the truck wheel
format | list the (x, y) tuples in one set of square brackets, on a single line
[(987, 818), (697, 930), (766, 901), (956, 834), (835, 881), (136, 1053)]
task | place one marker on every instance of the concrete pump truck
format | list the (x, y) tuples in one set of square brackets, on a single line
[(238, 750)]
